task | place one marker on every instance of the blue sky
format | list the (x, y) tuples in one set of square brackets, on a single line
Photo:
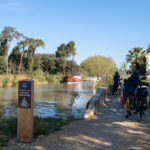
[(98, 27)]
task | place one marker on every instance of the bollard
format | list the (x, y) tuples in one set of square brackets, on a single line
[(25, 110)]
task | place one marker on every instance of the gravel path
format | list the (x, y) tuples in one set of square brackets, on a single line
[(109, 130)]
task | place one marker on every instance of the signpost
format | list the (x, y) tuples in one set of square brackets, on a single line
[(25, 110)]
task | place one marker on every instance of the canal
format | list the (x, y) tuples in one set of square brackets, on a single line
[(56, 100)]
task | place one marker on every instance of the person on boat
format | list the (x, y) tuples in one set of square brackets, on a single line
[(130, 86)]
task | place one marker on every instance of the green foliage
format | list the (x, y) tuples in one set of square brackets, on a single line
[(48, 63), (8, 130), (14, 59), (123, 67), (5, 82), (135, 57), (38, 75), (102, 83), (42, 126), (99, 66), (2, 64), (52, 78), (23, 59), (45, 126), (6, 38), (14, 81), (64, 52)]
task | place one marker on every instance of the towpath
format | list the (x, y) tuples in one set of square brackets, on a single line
[(109, 130)]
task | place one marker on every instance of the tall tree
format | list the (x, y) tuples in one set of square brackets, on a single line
[(22, 45), (134, 57), (65, 51), (71, 51), (2, 64), (14, 59), (33, 45), (62, 57), (6, 37)]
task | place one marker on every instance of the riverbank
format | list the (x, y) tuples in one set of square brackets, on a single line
[(42, 127), (38, 77)]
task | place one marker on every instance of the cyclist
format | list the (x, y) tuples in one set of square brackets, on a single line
[(116, 82), (129, 88)]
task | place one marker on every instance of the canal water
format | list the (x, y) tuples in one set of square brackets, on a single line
[(56, 100)]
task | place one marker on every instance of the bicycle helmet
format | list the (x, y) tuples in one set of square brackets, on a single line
[(135, 74), (116, 72)]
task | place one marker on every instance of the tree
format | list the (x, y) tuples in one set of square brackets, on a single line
[(61, 56), (48, 63), (71, 51), (99, 66), (33, 45), (2, 64), (123, 67), (6, 37), (134, 57), (22, 45), (65, 51), (14, 59)]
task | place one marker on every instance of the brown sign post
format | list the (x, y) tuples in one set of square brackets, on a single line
[(25, 110)]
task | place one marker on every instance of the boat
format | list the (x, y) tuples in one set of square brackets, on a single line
[(71, 79)]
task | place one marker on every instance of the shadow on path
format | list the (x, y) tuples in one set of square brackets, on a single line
[(108, 131)]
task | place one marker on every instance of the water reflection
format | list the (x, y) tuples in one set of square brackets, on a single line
[(60, 100)]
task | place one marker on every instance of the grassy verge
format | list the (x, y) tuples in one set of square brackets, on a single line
[(38, 76), (42, 126)]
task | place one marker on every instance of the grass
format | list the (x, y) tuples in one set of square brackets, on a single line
[(42, 126), (14, 81), (5, 82)]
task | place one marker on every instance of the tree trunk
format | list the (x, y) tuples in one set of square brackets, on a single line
[(21, 60), (72, 71), (7, 58), (137, 64)]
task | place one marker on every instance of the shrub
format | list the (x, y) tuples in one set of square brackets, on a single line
[(52, 79), (39, 75), (5, 82), (14, 82)]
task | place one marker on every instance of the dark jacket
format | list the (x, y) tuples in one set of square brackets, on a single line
[(132, 83), (116, 79)]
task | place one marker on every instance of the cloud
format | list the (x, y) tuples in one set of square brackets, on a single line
[(13, 6)]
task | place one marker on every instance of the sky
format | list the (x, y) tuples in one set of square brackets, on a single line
[(98, 27)]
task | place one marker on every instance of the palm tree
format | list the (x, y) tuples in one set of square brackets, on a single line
[(134, 57)]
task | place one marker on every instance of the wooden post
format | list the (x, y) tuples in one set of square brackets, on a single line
[(25, 110), (148, 67)]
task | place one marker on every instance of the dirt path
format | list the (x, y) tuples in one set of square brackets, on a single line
[(108, 131)]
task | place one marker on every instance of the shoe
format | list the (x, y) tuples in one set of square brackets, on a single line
[(126, 116), (135, 112), (129, 113)]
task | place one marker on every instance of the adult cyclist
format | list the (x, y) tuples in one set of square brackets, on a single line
[(130, 87), (116, 82)]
